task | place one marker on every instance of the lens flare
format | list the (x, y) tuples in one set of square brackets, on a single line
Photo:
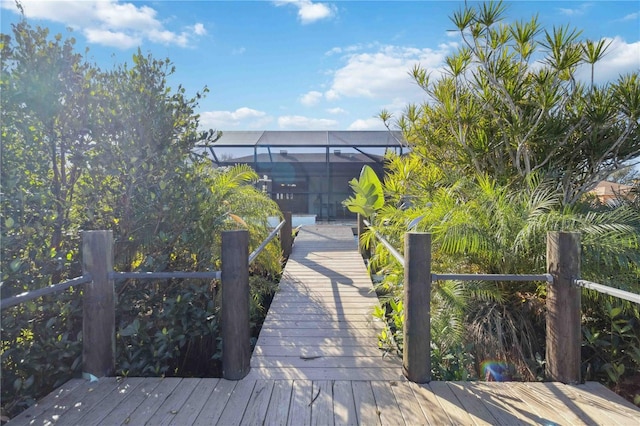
[(496, 371)]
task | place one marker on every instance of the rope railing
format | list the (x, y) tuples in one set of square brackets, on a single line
[(99, 301), (34, 294), (611, 291), (463, 277), (387, 244), (118, 276), (266, 241), (563, 306)]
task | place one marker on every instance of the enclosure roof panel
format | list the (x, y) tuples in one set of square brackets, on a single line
[(306, 158), (313, 138), (239, 139)]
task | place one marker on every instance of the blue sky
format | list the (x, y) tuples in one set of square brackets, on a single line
[(306, 65)]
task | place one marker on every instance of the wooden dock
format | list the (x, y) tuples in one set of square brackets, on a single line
[(319, 325), (317, 362)]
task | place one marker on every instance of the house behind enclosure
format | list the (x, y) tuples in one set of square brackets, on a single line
[(307, 172)]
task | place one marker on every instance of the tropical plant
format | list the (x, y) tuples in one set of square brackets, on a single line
[(117, 150), (509, 104), (479, 226), (367, 193)]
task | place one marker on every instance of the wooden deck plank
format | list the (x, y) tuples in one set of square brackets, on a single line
[(318, 341), (300, 406), (278, 410), (471, 404), (305, 320), (344, 408), (189, 412), (175, 402), (58, 397), (452, 406), (387, 407), (599, 409), (258, 403), (429, 404), (367, 411), (268, 333), (153, 401), (322, 403), (324, 350), (212, 409), (325, 362), (557, 401), (202, 401), (125, 387), (137, 396), (530, 393), (500, 406), (69, 405), (237, 404), (410, 408), (325, 291), (330, 373), (600, 390)]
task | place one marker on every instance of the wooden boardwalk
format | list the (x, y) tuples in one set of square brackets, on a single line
[(317, 362), (319, 325)]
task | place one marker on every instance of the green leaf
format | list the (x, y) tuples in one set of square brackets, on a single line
[(9, 222), (15, 265), (368, 193)]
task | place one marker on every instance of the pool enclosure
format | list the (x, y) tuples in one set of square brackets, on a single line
[(306, 172)]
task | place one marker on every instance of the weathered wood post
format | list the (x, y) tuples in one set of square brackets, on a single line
[(236, 349), (98, 305), (416, 357), (286, 235), (364, 252), (563, 308)]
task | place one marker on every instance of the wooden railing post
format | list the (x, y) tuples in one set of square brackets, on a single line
[(364, 252), (563, 308), (286, 235), (416, 357), (98, 310), (236, 349)]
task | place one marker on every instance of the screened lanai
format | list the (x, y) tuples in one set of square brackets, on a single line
[(307, 172)]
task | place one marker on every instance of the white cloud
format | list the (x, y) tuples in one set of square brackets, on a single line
[(336, 111), (199, 29), (109, 22), (580, 10), (631, 17), (621, 58), (311, 98), (168, 37), (241, 118), (308, 11), (383, 74), (238, 51), (298, 122), (372, 123), (112, 38)]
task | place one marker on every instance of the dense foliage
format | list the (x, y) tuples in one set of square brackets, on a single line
[(84, 149), (506, 147)]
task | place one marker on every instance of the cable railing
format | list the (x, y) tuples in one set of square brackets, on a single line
[(611, 291), (86, 278), (563, 313), (98, 279), (462, 277)]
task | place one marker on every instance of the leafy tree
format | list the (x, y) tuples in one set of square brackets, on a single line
[(46, 91), (509, 105), (88, 149), (502, 151)]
